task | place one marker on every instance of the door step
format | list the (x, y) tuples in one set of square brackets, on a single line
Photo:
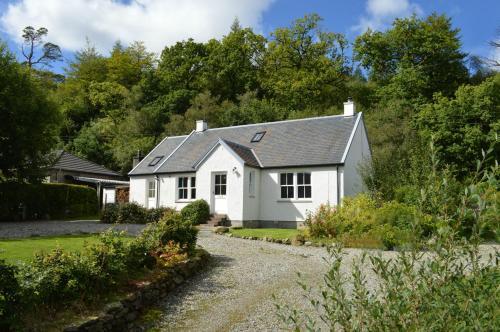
[(218, 220)]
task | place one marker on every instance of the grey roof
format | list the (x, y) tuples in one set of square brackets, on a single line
[(70, 162), (244, 152), (304, 142)]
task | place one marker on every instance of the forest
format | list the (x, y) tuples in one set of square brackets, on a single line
[(413, 82)]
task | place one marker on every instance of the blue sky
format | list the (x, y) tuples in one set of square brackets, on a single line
[(162, 22)]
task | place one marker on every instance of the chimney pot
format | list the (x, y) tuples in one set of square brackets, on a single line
[(349, 107), (201, 125)]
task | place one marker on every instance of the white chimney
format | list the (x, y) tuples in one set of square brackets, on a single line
[(201, 125), (349, 107)]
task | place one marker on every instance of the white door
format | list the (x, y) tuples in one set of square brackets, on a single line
[(219, 190), (151, 194)]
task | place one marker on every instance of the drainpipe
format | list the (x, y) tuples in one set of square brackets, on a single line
[(157, 179), (338, 188)]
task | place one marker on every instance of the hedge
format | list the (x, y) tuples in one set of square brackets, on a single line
[(132, 213), (46, 201)]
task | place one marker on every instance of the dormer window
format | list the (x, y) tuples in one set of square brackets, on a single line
[(155, 161), (258, 136)]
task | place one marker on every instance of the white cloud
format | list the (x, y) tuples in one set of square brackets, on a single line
[(380, 13), (156, 22)]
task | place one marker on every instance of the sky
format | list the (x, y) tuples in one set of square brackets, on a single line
[(160, 23)]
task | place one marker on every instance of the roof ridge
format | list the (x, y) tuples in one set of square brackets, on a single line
[(281, 121)]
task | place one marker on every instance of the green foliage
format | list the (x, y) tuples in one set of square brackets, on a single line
[(415, 58), (110, 213), (196, 212), (10, 296), (46, 201), (29, 122), (453, 289), (392, 223), (462, 126), (54, 279), (132, 213)]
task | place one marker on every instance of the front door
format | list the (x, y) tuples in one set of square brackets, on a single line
[(151, 194), (219, 190)]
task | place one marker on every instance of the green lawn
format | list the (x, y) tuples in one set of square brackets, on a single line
[(15, 250), (275, 233)]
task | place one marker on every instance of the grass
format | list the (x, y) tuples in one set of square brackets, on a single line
[(23, 249), (275, 233)]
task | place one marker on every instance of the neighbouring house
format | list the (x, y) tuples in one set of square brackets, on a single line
[(69, 168), (259, 175)]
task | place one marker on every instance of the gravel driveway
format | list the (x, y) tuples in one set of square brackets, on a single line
[(235, 294), (44, 228)]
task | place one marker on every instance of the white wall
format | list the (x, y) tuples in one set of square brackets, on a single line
[(137, 192), (223, 160), (273, 208), (358, 153), (251, 203), (108, 195)]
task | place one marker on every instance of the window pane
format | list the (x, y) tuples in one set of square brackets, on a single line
[(223, 190), (290, 192), (307, 177), (193, 193), (193, 181), (300, 192), (300, 178), (308, 192), (283, 192), (283, 178), (289, 178), (217, 179), (223, 179), (217, 189), (179, 182)]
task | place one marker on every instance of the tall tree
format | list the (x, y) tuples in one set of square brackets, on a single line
[(415, 58), (232, 64), (28, 122), (33, 39), (305, 66)]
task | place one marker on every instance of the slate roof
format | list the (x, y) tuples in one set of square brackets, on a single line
[(244, 152), (304, 142), (70, 162)]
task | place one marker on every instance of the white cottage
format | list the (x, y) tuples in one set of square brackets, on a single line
[(259, 175)]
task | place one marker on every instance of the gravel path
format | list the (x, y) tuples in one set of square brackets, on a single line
[(235, 294), (44, 228)]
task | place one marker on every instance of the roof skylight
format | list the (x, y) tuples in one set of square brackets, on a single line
[(258, 136), (155, 161)]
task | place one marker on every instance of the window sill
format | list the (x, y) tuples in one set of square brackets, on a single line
[(306, 200), (184, 200)]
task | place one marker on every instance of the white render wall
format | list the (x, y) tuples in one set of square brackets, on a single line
[(358, 153), (138, 186), (251, 203), (223, 160), (273, 208)]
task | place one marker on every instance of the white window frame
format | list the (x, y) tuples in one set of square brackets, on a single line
[(220, 185), (187, 188), (192, 187), (184, 186), (151, 189), (251, 183), (304, 185), (287, 185)]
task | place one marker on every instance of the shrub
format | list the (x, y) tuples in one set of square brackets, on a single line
[(196, 212), (154, 215), (172, 227), (132, 213), (10, 296), (46, 200), (454, 289), (110, 213)]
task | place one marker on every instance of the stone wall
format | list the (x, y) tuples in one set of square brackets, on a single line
[(120, 315)]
